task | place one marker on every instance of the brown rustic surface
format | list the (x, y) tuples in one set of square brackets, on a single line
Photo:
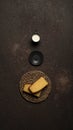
[(53, 20)]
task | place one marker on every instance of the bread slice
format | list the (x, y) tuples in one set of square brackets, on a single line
[(38, 85), (26, 89)]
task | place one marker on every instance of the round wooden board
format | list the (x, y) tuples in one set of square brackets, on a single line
[(31, 77)]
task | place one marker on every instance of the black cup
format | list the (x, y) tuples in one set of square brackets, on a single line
[(36, 58)]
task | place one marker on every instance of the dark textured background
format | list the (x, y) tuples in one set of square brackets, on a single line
[(53, 20)]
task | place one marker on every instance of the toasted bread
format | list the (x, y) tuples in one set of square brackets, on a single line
[(38, 85), (26, 89)]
